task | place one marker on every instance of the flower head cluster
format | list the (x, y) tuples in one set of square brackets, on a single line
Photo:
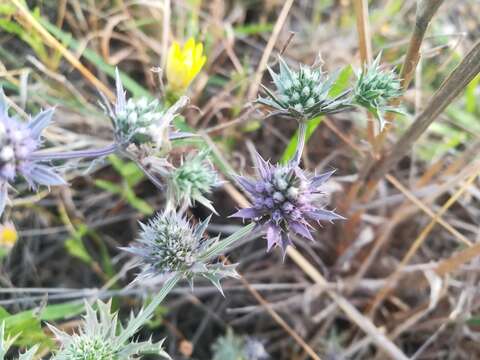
[(101, 337), (184, 64), (193, 180), (18, 142), (169, 244), (375, 88), (7, 342), (303, 94), (141, 121), (234, 347), (284, 198)]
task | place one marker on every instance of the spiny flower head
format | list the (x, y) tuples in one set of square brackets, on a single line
[(303, 94), (193, 180), (375, 88), (184, 64), (168, 244), (143, 121), (284, 198), (101, 337), (18, 143)]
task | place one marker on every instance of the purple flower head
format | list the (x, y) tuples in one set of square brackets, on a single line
[(18, 142), (285, 199)]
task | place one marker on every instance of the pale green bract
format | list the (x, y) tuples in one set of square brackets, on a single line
[(375, 88), (193, 180), (169, 244), (102, 337), (7, 342), (303, 94)]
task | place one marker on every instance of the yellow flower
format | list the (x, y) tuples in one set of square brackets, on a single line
[(183, 64), (8, 235)]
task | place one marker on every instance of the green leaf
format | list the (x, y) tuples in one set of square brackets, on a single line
[(75, 246), (130, 172), (471, 97), (108, 186), (136, 202), (27, 324)]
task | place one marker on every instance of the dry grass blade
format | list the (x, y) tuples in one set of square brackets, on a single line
[(363, 28), (358, 318), (447, 92), (54, 43), (394, 277), (279, 320), (458, 259), (365, 45), (426, 9), (262, 66)]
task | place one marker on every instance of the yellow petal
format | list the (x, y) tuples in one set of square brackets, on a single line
[(189, 47), (8, 235)]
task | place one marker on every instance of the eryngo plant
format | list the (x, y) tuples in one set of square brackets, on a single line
[(7, 342), (234, 347), (168, 244), (193, 180), (374, 89), (143, 121), (284, 199), (18, 143), (102, 337), (303, 94)]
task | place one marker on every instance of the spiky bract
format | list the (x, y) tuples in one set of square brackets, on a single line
[(284, 198), (168, 244), (143, 121), (193, 180), (18, 142), (102, 337), (374, 89), (303, 94)]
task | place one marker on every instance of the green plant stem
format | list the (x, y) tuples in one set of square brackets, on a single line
[(302, 133), (222, 245), (146, 313)]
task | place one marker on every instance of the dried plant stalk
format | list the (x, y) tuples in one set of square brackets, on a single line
[(425, 11), (447, 92)]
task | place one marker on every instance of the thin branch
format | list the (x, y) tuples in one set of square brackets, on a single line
[(426, 9), (262, 66), (54, 43), (447, 92)]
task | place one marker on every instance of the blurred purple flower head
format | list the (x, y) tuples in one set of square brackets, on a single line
[(18, 142), (285, 198)]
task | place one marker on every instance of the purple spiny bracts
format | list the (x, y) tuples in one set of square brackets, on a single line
[(284, 199), (18, 142)]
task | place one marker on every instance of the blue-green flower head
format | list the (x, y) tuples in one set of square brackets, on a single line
[(102, 337), (303, 94), (193, 180), (143, 121), (375, 88), (168, 244)]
